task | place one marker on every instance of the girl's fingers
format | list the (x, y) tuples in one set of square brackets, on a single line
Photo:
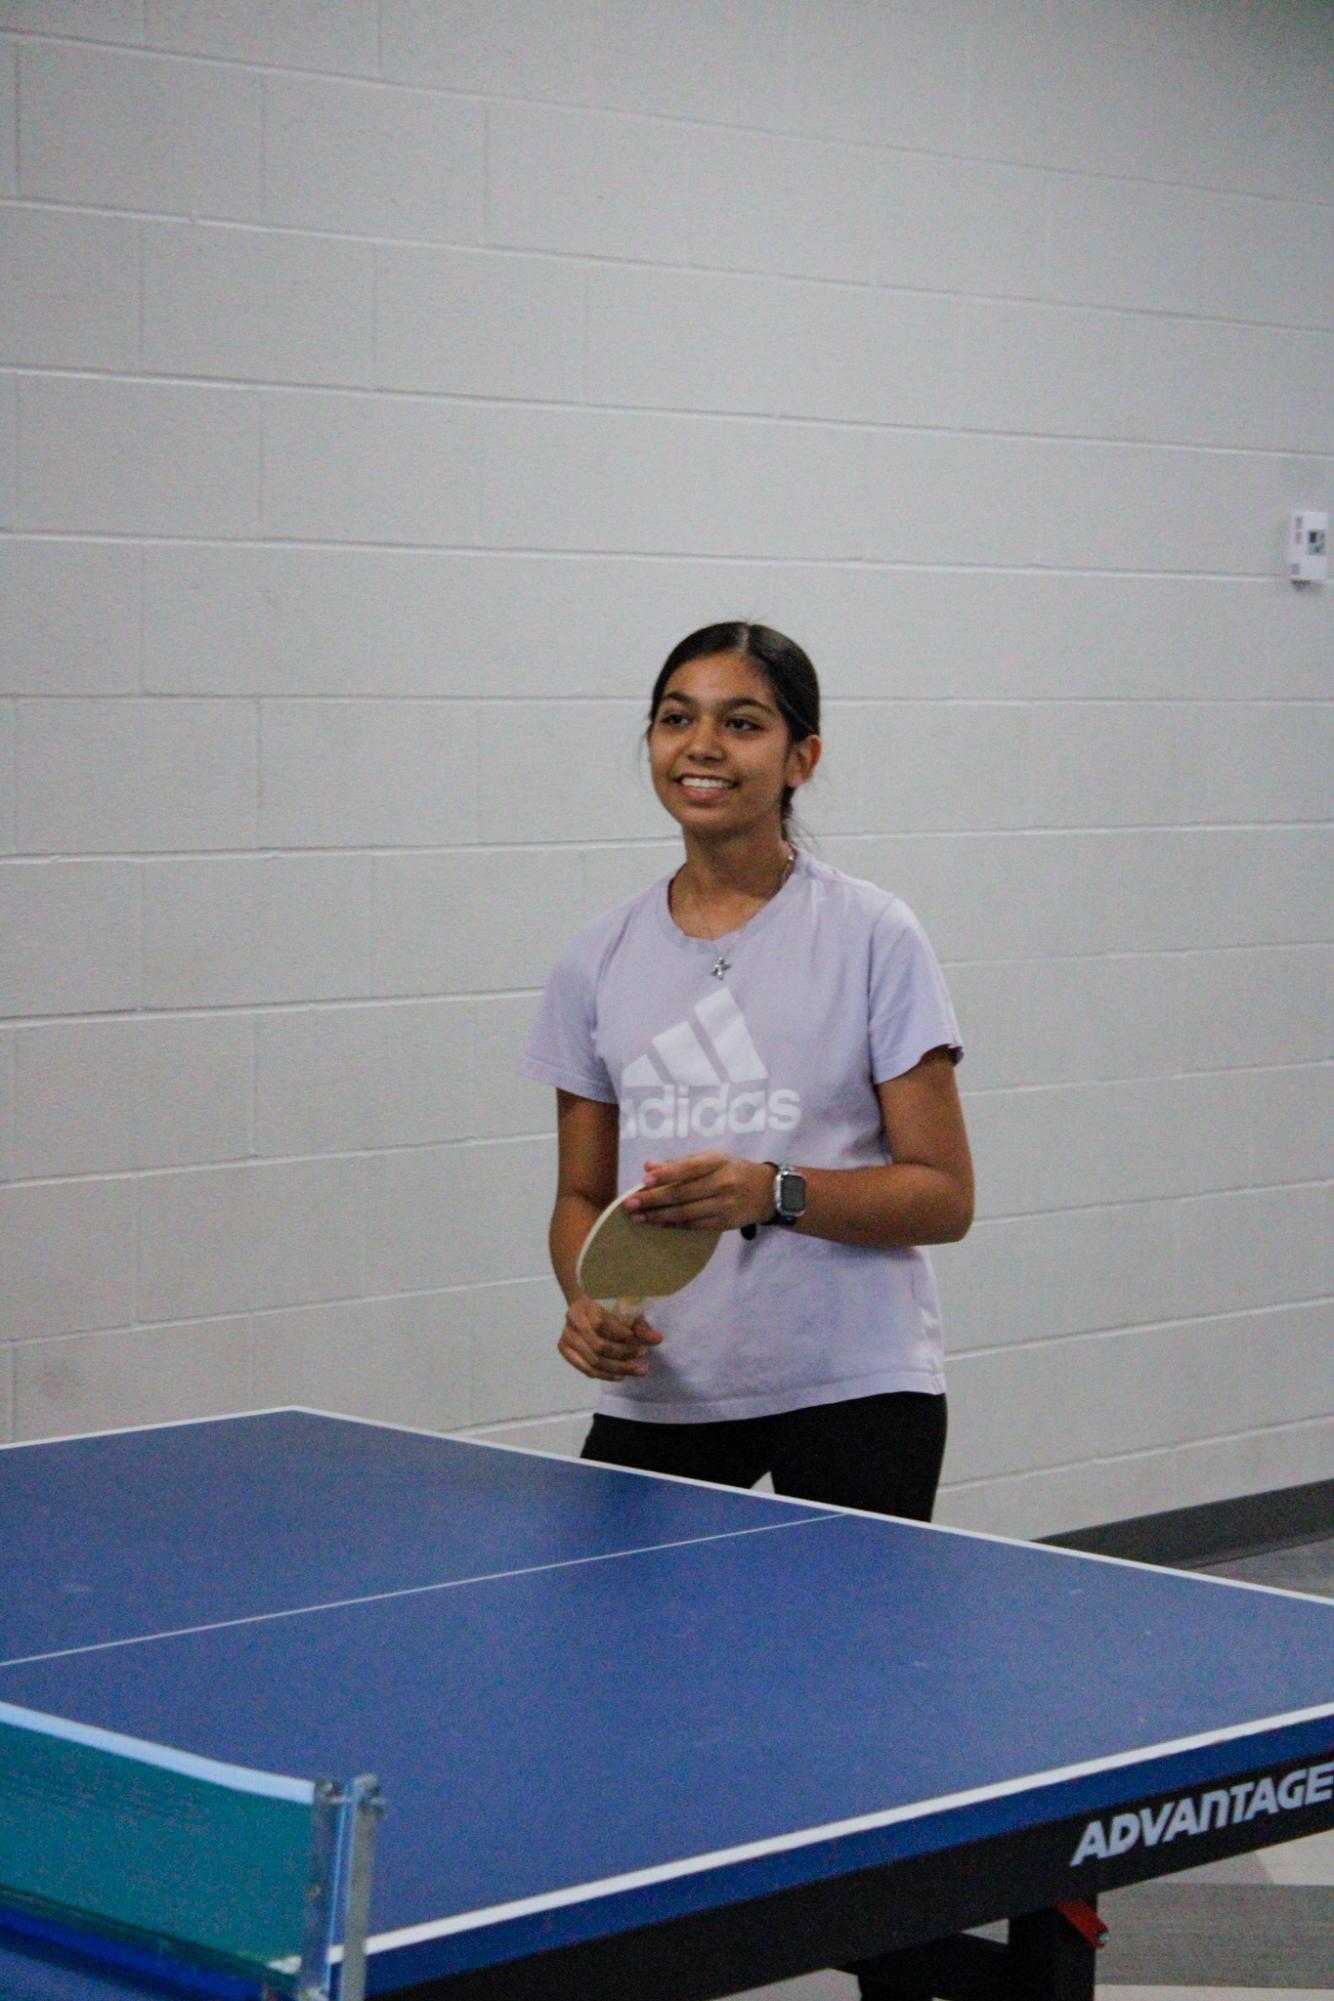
[(700, 1207), (600, 1346), (687, 1168)]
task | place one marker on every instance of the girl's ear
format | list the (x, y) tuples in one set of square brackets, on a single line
[(802, 760)]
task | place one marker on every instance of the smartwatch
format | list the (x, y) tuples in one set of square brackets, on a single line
[(789, 1195)]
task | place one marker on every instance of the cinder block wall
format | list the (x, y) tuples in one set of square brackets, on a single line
[(385, 389)]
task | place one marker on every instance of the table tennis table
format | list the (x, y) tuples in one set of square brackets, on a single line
[(641, 1737)]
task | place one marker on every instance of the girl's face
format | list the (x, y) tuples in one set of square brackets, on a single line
[(720, 752)]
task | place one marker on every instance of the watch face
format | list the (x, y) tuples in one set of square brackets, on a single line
[(791, 1193)]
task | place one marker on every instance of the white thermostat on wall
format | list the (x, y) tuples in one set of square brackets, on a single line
[(1308, 547)]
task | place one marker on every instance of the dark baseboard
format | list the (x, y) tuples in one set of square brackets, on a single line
[(1215, 1532)]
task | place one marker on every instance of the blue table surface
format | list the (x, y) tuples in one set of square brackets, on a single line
[(561, 1673)]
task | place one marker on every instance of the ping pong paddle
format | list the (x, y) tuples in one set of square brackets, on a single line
[(631, 1262)]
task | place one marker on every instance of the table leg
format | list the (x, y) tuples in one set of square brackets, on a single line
[(1049, 1958), (950, 1969)]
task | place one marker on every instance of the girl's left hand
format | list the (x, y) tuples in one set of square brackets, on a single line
[(705, 1191)]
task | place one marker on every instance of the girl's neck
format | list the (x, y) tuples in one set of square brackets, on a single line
[(754, 868)]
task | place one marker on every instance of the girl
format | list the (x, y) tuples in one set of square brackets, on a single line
[(768, 1046)]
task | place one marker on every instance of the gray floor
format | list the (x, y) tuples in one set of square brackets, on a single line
[(1307, 1567), (1261, 1925)]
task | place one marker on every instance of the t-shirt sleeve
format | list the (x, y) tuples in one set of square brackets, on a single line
[(910, 1007), (561, 1047)]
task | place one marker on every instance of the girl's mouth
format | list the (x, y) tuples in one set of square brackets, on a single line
[(705, 788)]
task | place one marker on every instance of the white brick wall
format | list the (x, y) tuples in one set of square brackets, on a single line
[(101, 455), (383, 389), (139, 131), (71, 289), (9, 119), (70, 616), (7, 786), (257, 306), (372, 160)]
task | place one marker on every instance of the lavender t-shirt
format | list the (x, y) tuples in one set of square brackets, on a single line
[(830, 989)]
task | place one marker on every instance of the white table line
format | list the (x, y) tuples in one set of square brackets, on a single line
[(410, 1591)]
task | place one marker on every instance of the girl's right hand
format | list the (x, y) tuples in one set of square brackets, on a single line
[(599, 1345)]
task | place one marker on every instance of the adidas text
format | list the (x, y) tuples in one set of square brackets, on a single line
[(677, 1112)]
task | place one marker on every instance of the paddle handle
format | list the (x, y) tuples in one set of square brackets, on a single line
[(629, 1309)]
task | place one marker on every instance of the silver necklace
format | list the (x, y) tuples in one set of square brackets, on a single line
[(722, 965)]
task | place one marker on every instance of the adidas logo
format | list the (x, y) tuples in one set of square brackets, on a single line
[(702, 1080)]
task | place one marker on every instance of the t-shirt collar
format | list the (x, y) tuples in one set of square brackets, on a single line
[(712, 946)]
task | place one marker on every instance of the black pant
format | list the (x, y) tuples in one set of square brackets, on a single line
[(880, 1453)]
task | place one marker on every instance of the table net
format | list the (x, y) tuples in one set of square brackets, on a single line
[(133, 1842)]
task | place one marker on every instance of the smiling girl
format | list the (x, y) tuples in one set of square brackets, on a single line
[(768, 1045)]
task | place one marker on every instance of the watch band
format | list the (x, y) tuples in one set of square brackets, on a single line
[(793, 1216)]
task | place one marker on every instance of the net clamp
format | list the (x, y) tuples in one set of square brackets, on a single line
[(1085, 1921)]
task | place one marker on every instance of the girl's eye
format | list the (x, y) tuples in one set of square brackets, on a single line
[(668, 718)]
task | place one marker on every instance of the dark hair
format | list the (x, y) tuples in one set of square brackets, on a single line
[(785, 666)]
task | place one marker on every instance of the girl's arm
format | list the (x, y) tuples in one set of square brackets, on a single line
[(592, 1340), (925, 1196), (586, 1141)]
